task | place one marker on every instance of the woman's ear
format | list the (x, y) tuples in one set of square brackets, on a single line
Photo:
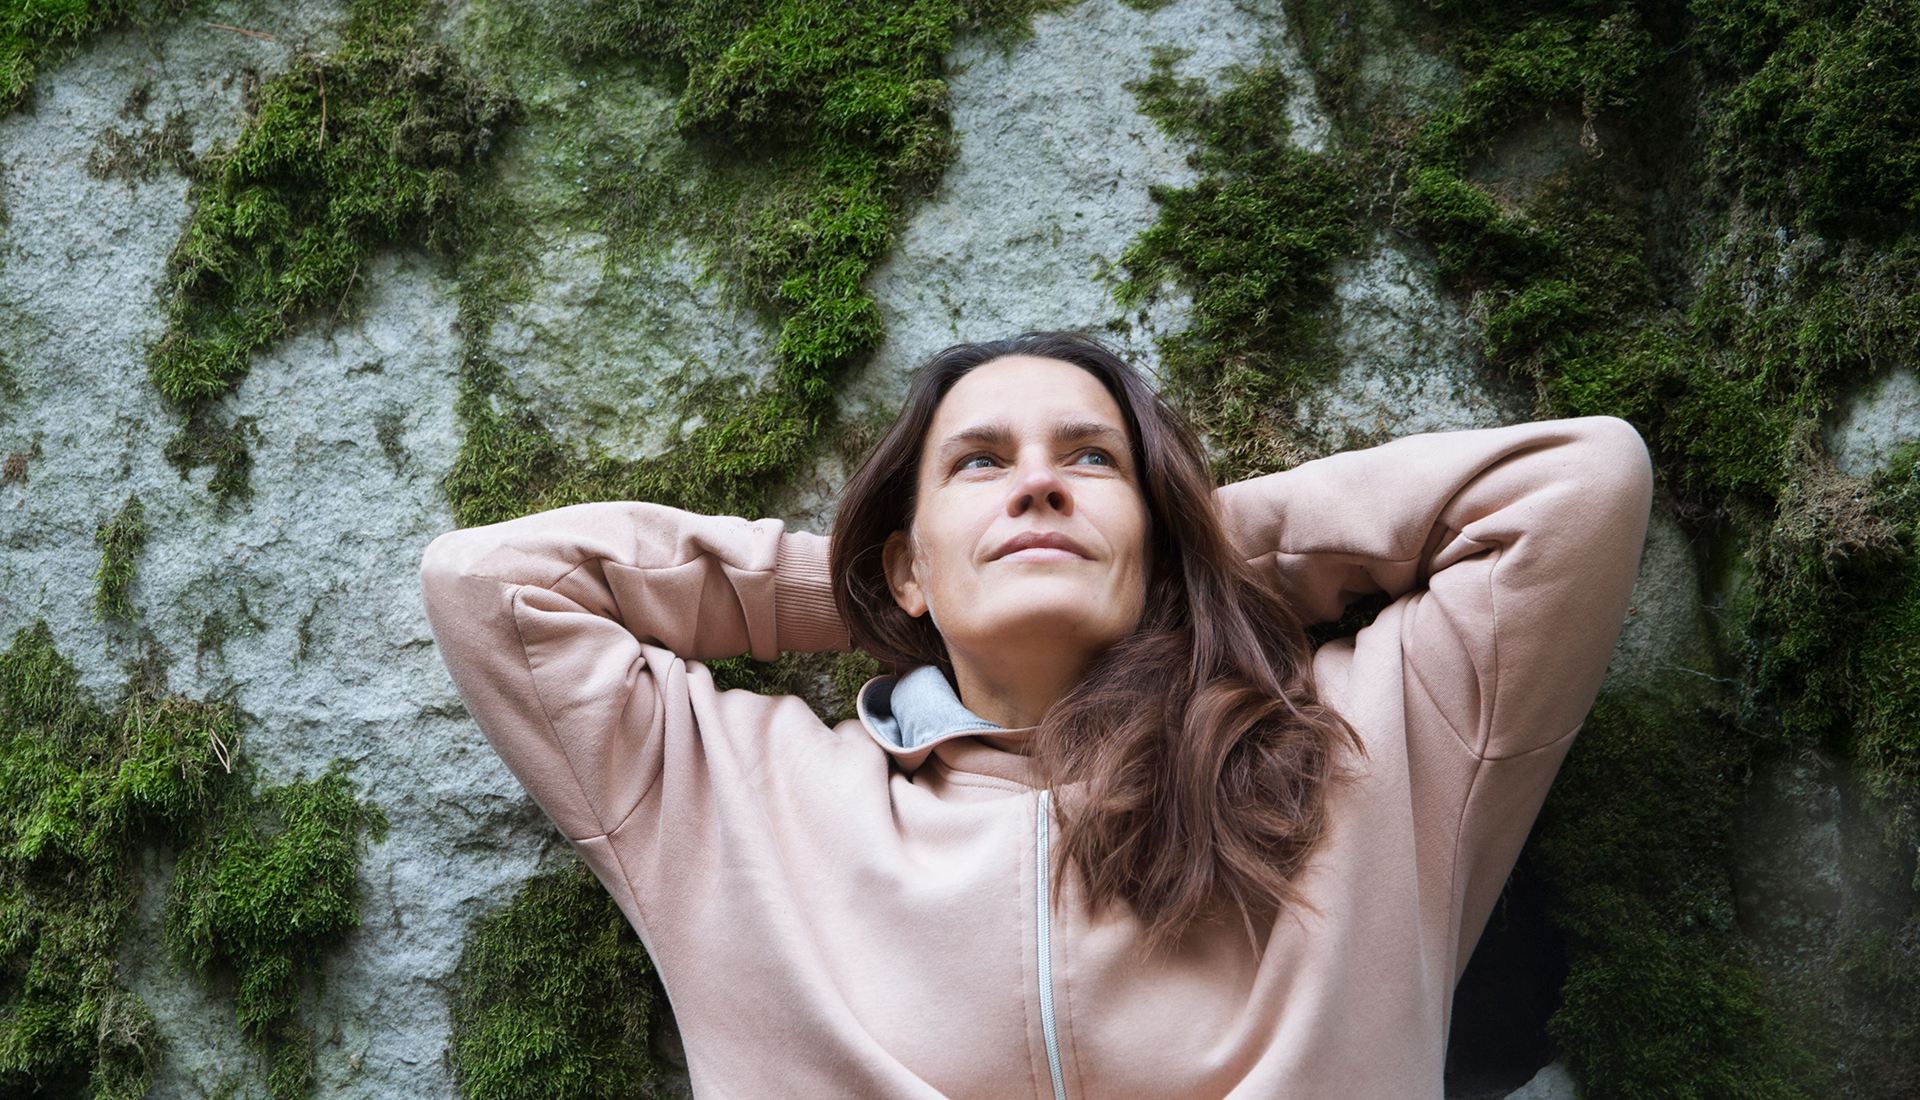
[(897, 556)]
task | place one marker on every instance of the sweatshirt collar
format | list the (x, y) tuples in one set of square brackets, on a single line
[(914, 711), (918, 715)]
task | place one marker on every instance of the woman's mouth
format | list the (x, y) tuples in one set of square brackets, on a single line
[(1039, 546)]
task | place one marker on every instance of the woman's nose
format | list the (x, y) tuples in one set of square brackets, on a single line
[(1038, 484)]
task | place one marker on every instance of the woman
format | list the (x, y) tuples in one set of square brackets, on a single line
[(1111, 830)]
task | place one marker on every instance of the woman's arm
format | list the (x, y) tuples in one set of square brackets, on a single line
[(1525, 538), (556, 628)]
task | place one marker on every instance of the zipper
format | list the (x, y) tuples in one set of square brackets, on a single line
[(1044, 907)]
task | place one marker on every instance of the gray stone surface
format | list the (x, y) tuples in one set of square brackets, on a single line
[(1667, 642), (1408, 355), (1874, 420), (605, 352), (356, 428), (1554, 1082), (1051, 182), (1049, 186)]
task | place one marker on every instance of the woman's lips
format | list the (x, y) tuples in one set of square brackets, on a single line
[(1042, 553), (1033, 546)]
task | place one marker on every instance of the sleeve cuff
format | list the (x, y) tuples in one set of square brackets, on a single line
[(805, 617)]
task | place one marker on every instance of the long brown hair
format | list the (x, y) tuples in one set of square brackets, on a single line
[(1199, 750)]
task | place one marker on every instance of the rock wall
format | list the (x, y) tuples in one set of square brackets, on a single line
[(295, 603)]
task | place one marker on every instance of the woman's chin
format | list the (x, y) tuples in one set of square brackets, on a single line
[(1022, 615)]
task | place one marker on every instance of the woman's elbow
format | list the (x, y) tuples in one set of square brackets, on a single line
[(1614, 463), (448, 559)]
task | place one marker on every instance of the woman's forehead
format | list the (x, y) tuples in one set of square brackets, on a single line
[(1020, 394)]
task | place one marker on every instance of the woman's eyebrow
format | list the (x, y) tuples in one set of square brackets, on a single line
[(980, 435), (1080, 431), (1001, 436)]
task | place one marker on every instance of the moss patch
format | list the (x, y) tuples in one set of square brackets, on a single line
[(207, 440), (1636, 844), (1823, 113), (801, 132), (370, 146), (829, 682), (34, 32), (265, 897), (555, 998), (120, 540), (1254, 242), (265, 886)]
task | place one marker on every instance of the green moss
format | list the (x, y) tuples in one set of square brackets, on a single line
[(1823, 115), (829, 682), (1886, 733), (266, 897), (1523, 59), (74, 782), (120, 540), (555, 998), (1873, 635), (1253, 241), (369, 146), (34, 32), (1473, 237), (1636, 843), (1724, 248), (205, 441), (265, 885), (802, 130), (1566, 280)]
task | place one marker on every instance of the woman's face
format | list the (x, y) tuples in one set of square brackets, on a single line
[(1029, 527)]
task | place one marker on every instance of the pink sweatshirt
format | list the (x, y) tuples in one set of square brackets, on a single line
[(835, 917)]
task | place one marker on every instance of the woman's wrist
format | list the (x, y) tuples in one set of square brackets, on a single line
[(806, 618)]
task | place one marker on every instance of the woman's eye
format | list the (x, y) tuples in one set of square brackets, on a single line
[(1094, 458), (977, 462)]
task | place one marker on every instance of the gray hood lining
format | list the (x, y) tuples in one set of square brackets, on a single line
[(915, 710)]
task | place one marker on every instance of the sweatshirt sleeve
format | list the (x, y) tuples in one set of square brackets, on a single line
[(555, 628), (1525, 539)]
